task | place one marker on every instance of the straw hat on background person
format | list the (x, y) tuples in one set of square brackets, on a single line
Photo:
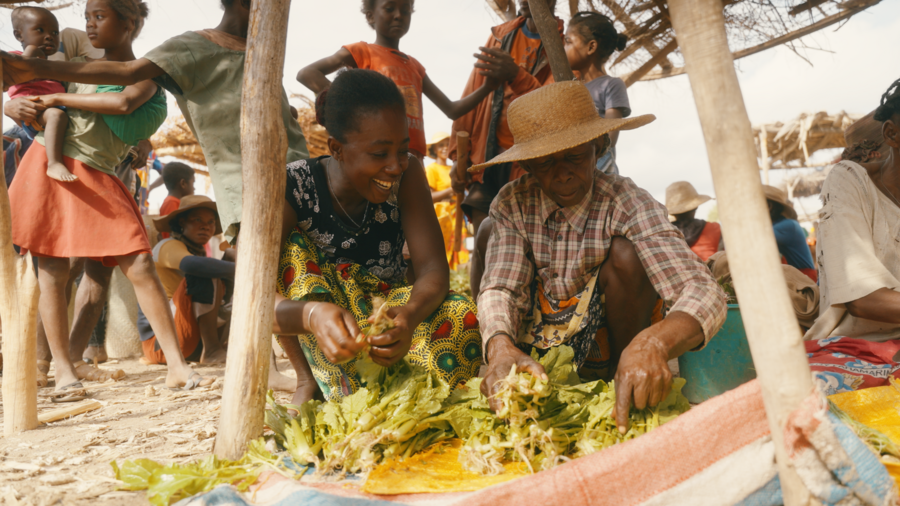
[(189, 203), (436, 139), (556, 118), (682, 197), (780, 197)]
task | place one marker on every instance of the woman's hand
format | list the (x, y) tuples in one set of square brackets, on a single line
[(389, 347), (16, 69), (643, 374), (51, 100), (502, 356), (24, 110), (336, 330)]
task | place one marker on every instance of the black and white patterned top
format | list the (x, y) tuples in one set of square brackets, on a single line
[(377, 245)]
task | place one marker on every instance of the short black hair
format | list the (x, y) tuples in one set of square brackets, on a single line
[(890, 103), (174, 172), (355, 92), (369, 6), (596, 26), (19, 14)]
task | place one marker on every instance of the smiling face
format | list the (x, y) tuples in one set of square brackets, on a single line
[(375, 154), (104, 27), (442, 150), (38, 28), (391, 18), (199, 225), (566, 177)]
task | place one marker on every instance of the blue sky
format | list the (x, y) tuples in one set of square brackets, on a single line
[(850, 73)]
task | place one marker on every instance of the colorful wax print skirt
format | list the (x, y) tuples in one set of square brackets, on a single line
[(579, 322), (845, 364), (448, 342)]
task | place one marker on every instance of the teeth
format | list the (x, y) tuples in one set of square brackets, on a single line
[(382, 184)]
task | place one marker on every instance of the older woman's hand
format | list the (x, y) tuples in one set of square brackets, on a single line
[(336, 330), (24, 110), (502, 355), (391, 346)]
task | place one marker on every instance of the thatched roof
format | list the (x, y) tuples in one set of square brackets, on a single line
[(753, 26), (806, 185), (790, 145)]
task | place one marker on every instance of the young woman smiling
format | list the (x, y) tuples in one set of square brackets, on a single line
[(346, 217)]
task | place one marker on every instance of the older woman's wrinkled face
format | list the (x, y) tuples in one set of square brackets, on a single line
[(199, 225), (567, 176)]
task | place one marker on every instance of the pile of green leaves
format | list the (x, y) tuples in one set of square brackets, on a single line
[(404, 410), (171, 483)]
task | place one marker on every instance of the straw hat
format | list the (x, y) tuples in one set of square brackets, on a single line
[(555, 118), (779, 196), (436, 139), (187, 204), (682, 197)]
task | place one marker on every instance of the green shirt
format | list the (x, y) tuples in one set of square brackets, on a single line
[(88, 138), (206, 80)]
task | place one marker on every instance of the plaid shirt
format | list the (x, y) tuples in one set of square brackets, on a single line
[(564, 246)]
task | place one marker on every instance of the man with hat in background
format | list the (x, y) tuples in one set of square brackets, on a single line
[(581, 258), (682, 201), (788, 233)]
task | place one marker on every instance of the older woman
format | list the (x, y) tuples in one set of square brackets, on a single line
[(856, 341), (346, 217)]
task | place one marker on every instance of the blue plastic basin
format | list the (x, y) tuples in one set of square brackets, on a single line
[(724, 363)]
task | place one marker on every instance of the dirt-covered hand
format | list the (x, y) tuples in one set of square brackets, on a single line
[(502, 355), (336, 330), (643, 375), (392, 345)]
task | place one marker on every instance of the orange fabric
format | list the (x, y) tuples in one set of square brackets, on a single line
[(525, 53), (407, 73), (186, 327), (170, 204), (707, 244), (478, 121), (94, 217)]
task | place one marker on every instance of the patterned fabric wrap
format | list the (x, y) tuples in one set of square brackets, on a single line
[(845, 364), (448, 342)]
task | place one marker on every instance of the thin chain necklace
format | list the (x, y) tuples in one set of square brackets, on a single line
[(888, 190), (330, 190)]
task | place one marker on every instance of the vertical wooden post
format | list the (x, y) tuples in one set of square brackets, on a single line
[(18, 311), (548, 27), (772, 331), (263, 148)]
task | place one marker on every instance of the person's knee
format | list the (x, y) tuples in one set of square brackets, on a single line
[(97, 273), (54, 114), (623, 262), (483, 235), (53, 270)]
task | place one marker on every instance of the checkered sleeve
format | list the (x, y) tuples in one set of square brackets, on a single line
[(505, 287), (678, 275)]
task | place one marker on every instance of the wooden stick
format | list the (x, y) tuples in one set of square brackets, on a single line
[(652, 62), (462, 167), (548, 27), (263, 148), (18, 311), (73, 409), (775, 341)]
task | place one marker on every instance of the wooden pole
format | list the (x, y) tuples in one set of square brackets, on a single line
[(772, 331), (548, 27), (462, 166), (263, 148), (18, 312)]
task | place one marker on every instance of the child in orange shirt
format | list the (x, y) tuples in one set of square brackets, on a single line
[(391, 20)]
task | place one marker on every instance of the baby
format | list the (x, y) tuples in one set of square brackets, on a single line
[(38, 31)]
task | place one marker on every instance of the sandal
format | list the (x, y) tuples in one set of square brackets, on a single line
[(195, 381), (43, 368), (90, 373), (72, 392)]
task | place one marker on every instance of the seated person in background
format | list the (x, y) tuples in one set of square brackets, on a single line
[(855, 342), (179, 181), (192, 282), (581, 258), (682, 201), (789, 234)]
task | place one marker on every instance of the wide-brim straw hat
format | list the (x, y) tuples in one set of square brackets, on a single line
[(437, 138), (682, 197), (779, 196), (189, 203), (555, 118)]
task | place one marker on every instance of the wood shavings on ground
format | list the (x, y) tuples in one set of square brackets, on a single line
[(67, 461)]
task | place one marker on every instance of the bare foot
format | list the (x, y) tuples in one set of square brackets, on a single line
[(59, 172), (93, 352), (215, 357), (280, 382), (306, 391)]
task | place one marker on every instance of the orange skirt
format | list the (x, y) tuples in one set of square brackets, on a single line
[(93, 217), (187, 328)]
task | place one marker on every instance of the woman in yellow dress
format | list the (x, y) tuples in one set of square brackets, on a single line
[(438, 175)]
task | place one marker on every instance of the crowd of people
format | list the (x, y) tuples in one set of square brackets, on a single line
[(566, 250)]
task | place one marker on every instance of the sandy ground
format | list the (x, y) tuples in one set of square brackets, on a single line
[(68, 462)]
